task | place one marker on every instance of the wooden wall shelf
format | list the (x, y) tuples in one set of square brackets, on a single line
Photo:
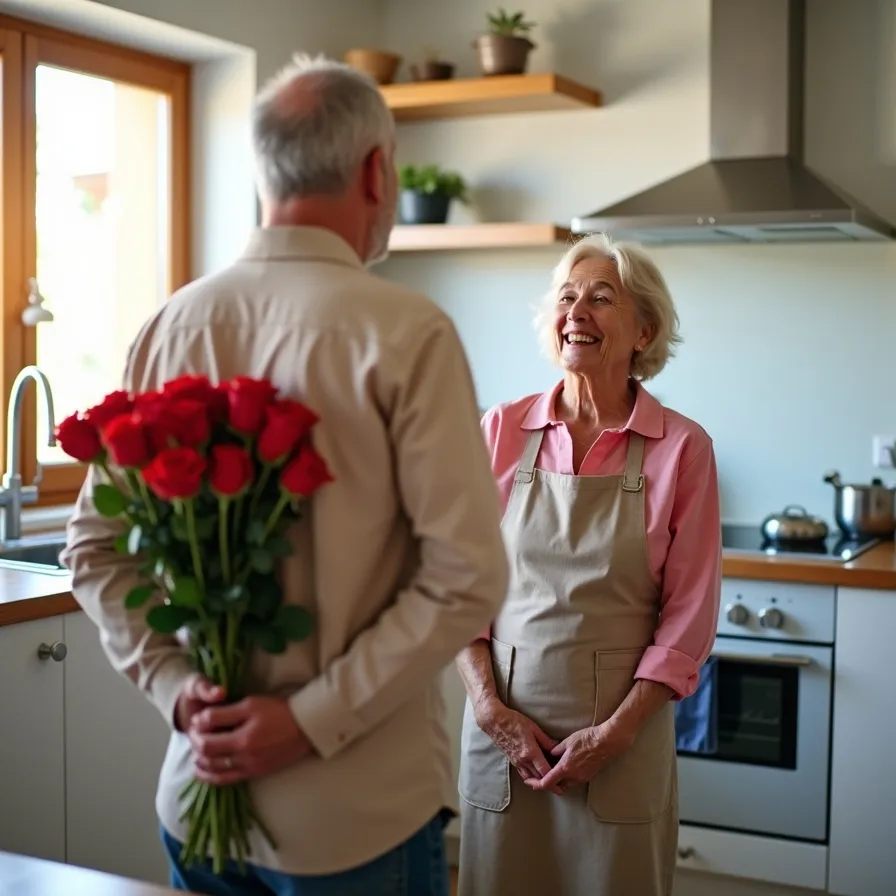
[(427, 100), (439, 237)]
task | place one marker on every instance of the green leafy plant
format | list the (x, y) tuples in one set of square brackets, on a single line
[(507, 25), (433, 181)]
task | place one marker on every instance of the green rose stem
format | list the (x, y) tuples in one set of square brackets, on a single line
[(279, 507), (224, 502), (220, 816), (259, 489)]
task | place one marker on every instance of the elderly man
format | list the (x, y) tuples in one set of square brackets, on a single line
[(346, 749)]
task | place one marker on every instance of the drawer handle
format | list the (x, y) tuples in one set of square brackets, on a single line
[(685, 852), (56, 651)]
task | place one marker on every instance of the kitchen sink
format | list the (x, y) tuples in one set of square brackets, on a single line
[(38, 554)]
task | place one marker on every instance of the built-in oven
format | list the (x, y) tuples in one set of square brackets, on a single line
[(756, 757)]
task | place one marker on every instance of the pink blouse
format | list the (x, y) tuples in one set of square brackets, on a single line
[(682, 514)]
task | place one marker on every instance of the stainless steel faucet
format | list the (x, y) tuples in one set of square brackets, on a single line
[(13, 495)]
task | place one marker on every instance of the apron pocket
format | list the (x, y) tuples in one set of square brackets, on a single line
[(484, 779), (638, 785)]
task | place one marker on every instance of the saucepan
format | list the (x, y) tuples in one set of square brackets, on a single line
[(862, 510), (794, 526)]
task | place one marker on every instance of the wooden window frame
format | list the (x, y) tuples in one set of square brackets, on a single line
[(25, 45)]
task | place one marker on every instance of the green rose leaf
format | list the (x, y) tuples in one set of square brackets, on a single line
[(264, 598), (255, 532), (270, 639), (186, 592), (168, 618), (108, 500), (135, 540), (262, 560), (121, 543), (206, 527), (278, 546), (138, 596), (179, 528), (235, 594), (297, 623)]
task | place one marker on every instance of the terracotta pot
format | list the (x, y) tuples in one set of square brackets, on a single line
[(423, 208), (432, 71), (380, 65), (500, 54)]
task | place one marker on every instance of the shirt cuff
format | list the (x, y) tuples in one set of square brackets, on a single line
[(323, 718), (166, 685), (670, 667)]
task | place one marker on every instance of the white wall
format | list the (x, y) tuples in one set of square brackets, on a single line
[(787, 358), (274, 29)]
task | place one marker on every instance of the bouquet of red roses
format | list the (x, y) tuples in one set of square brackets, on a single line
[(206, 480)]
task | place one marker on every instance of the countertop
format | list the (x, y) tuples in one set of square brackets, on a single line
[(25, 876), (25, 596)]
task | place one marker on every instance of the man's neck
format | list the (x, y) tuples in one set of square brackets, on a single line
[(334, 215)]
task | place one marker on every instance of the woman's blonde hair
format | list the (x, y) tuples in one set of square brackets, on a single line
[(641, 278)]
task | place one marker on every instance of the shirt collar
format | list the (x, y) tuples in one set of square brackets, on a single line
[(309, 243), (646, 417)]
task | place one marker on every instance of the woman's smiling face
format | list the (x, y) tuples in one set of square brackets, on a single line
[(596, 322)]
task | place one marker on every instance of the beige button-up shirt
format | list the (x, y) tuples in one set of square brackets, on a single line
[(400, 558)]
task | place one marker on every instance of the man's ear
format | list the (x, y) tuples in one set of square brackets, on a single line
[(374, 176)]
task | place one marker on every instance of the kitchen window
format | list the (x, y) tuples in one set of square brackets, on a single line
[(95, 217)]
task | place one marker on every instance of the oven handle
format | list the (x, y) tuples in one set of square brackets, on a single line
[(773, 659)]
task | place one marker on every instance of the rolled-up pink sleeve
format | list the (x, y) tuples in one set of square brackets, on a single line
[(692, 581)]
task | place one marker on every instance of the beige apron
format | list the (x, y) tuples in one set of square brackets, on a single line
[(582, 608)]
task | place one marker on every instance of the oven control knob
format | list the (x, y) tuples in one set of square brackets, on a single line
[(737, 614), (771, 618)]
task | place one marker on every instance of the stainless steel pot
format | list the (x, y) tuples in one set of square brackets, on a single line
[(863, 509), (794, 524)]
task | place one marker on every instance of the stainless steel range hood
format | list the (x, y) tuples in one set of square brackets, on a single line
[(756, 187)]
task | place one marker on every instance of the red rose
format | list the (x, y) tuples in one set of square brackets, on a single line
[(305, 473), (149, 409), (198, 387), (287, 423), (126, 441), (187, 422), (113, 405), (248, 399), (231, 470), (173, 422), (175, 473), (79, 439)]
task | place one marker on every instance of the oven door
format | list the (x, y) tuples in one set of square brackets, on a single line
[(766, 768)]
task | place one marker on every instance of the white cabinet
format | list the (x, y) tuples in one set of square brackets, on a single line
[(80, 753), (115, 742), (32, 750), (863, 787)]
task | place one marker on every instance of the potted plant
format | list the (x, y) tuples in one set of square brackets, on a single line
[(427, 192), (431, 68), (381, 65), (505, 49)]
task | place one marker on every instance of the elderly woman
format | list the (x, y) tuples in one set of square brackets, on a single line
[(611, 521)]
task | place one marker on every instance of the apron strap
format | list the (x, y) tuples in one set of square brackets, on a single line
[(633, 479), (525, 471)]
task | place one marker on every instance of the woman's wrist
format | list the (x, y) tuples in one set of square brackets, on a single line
[(485, 707)]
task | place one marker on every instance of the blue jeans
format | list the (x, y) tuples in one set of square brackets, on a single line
[(417, 867)]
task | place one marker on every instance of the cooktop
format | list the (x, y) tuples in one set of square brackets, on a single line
[(743, 539)]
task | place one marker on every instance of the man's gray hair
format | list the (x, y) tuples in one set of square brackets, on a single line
[(314, 145)]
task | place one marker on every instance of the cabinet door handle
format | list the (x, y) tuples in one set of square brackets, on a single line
[(685, 852), (56, 651)]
